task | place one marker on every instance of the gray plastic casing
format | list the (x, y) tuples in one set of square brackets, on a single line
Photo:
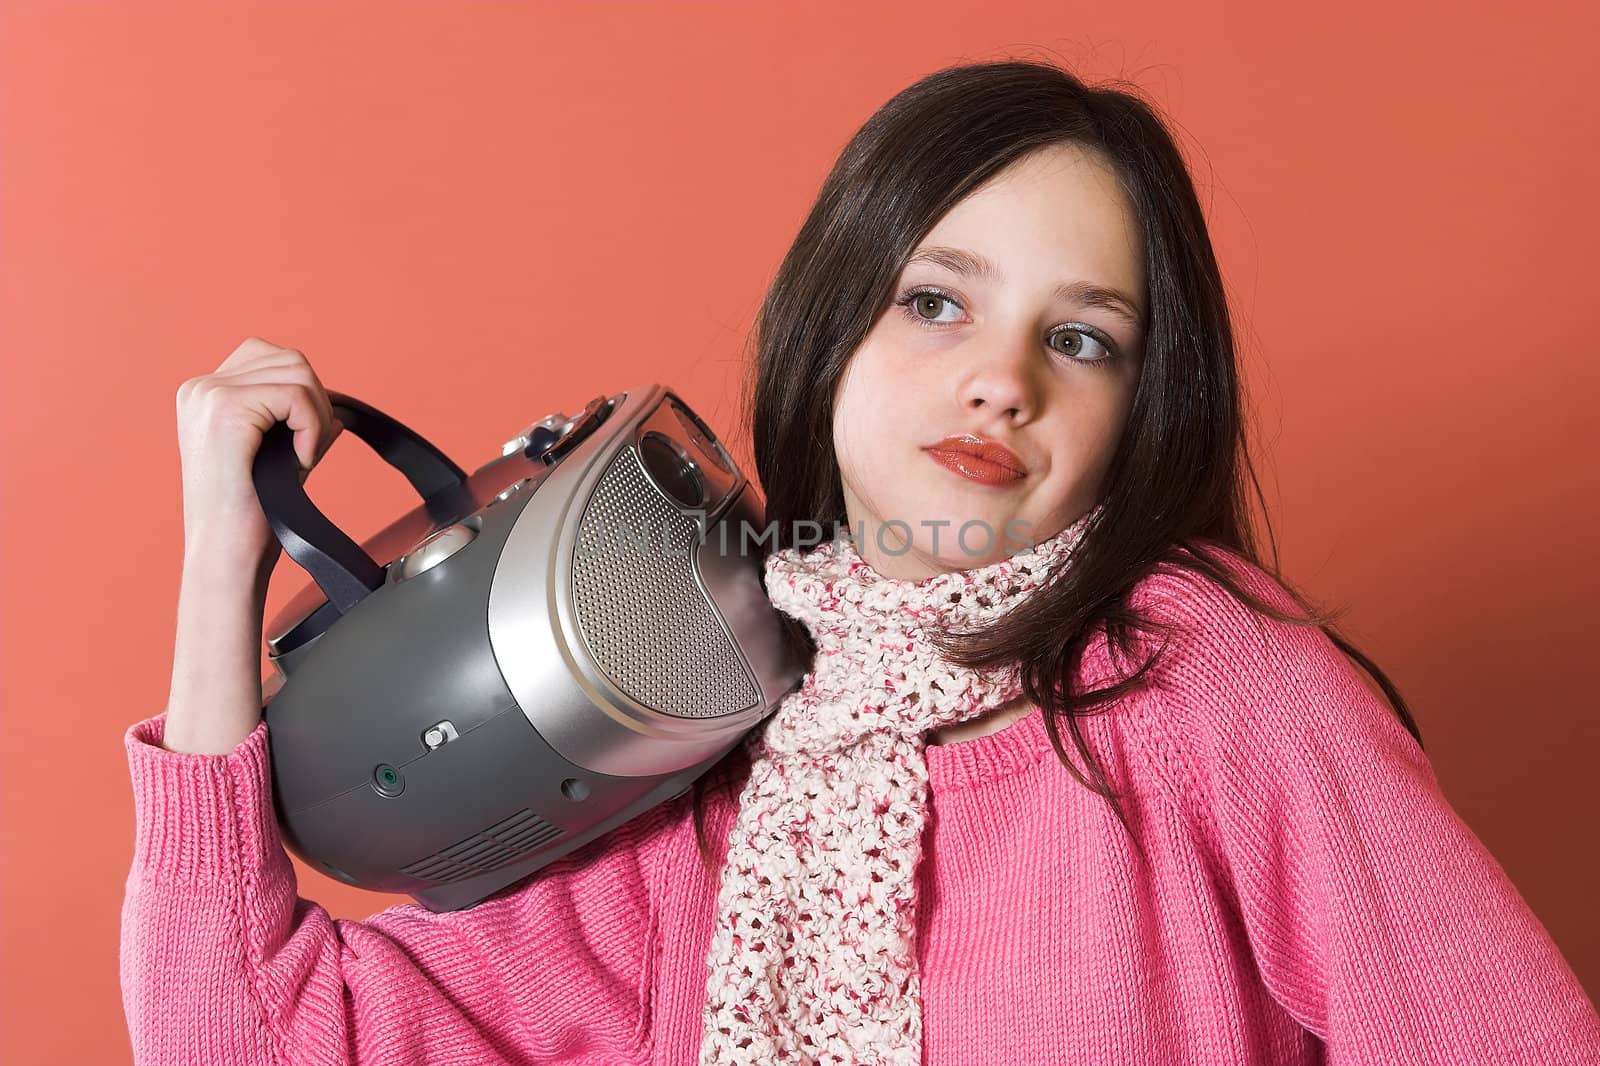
[(582, 682)]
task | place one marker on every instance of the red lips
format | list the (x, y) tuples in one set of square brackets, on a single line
[(981, 460)]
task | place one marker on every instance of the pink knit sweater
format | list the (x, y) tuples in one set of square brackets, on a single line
[(1311, 897)]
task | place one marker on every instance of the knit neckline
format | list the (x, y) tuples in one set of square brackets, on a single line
[(966, 764)]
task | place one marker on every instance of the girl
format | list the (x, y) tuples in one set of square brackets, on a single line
[(1005, 315)]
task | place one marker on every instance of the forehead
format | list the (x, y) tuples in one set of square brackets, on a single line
[(1060, 211)]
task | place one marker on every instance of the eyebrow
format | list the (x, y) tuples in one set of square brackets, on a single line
[(1086, 293)]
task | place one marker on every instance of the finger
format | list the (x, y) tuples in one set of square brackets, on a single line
[(249, 349), (265, 404), (289, 364), (292, 372), (331, 425)]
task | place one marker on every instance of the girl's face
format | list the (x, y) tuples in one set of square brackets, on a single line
[(1005, 357)]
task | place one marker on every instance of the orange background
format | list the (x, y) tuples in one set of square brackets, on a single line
[(472, 214)]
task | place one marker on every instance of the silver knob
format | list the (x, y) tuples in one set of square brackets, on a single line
[(436, 549), (521, 440), (506, 493)]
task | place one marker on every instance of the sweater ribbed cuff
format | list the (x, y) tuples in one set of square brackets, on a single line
[(198, 818)]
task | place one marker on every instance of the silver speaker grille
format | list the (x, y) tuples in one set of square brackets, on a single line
[(501, 843), (645, 620)]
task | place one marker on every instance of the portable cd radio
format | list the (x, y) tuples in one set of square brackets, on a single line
[(535, 654)]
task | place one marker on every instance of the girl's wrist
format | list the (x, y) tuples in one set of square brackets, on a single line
[(216, 563)]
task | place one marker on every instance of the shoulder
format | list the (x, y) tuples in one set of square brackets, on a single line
[(1216, 647), (1207, 646), (1241, 697), (1206, 610)]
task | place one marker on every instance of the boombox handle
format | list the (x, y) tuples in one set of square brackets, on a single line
[(341, 567)]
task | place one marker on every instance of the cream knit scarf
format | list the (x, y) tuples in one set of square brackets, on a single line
[(814, 957)]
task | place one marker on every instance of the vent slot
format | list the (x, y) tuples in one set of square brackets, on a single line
[(499, 845)]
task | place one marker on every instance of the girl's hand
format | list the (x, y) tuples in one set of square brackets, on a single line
[(222, 418)]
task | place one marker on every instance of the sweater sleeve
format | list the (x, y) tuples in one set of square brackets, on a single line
[(222, 962), (1376, 917)]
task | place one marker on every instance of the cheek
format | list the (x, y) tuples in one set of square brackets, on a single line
[(859, 396), (1114, 416), (857, 430), (874, 416), (1095, 427)]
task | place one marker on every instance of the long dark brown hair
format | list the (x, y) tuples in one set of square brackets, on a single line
[(1175, 489)]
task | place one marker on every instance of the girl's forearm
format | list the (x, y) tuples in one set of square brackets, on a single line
[(215, 699)]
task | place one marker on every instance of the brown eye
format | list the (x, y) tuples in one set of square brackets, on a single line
[(925, 305), (916, 301), (1072, 346), (1073, 338)]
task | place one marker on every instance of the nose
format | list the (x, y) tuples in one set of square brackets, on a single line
[(1000, 384)]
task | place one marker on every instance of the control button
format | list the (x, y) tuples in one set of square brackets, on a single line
[(522, 440), (544, 439), (507, 492), (575, 431), (387, 780), (436, 549), (439, 734)]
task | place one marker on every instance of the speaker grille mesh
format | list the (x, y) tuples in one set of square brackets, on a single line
[(501, 843), (646, 621)]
